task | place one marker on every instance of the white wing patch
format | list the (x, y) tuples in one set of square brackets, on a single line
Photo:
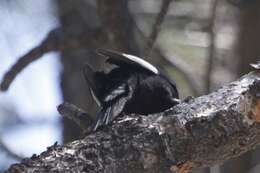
[(142, 62), (95, 98)]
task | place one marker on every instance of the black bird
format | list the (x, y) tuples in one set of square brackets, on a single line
[(133, 86)]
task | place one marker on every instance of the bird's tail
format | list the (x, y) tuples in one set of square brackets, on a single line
[(103, 118)]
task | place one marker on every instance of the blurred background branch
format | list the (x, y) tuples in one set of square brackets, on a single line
[(9, 152), (157, 26), (49, 44), (212, 40)]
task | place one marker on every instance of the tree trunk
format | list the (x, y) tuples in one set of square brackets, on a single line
[(79, 18), (75, 21)]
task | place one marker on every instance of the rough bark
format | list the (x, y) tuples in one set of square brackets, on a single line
[(197, 133), (246, 51)]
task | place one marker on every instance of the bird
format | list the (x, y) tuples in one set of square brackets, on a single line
[(132, 86)]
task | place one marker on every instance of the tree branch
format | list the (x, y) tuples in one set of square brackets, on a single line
[(77, 115), (199, 133), (209, 67), (49, 44), (157, 26), (56, 40), (9, 152)]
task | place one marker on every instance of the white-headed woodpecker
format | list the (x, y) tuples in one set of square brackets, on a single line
[(133, 86)]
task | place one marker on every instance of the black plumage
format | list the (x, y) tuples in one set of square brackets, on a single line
[(133, 86)]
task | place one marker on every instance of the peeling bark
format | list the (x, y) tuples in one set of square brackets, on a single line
[(197, 133)]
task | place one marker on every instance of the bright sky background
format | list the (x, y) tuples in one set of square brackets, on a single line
[(34, 90), (35, 93)]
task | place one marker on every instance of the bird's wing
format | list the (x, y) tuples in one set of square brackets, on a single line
[(115, 102), (122, 59), (113, 105), (109, 113), (116, 92)]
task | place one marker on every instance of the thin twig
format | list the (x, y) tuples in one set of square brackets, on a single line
[(9, 152), (77, 115), (209, 68), (157, 26)]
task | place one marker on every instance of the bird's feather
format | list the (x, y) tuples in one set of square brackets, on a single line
[(116, 92), (122, 59), (110, 111)]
